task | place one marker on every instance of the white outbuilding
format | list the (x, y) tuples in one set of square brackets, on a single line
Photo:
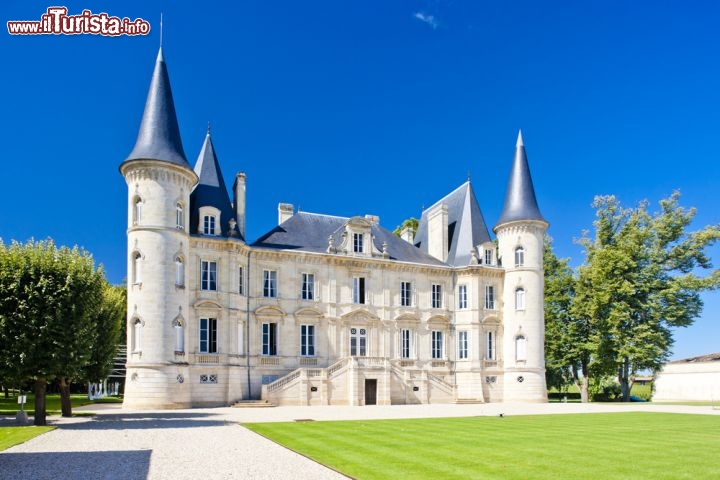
[(695, 379)]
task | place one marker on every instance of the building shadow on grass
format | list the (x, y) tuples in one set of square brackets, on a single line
[(125, 464)]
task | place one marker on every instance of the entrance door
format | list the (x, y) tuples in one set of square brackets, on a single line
[(358, 342), (370, 392)]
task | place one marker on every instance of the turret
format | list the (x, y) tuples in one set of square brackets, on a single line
[(159, 181), (520, 232), (211, 212)]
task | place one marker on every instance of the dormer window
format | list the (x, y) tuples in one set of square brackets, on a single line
[(488, 260), (209, 221), (358, 243)]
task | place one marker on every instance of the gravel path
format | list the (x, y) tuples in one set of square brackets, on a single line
[(210, 443), (158, 445)]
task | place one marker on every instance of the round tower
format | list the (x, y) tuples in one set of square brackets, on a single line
[(159, 181), (520, 233)]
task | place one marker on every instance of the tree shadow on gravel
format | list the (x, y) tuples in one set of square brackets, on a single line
[(129, 421), (125, 464)]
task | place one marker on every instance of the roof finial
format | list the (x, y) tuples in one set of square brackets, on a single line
[(209, 127), (160, 29), (519, 140), (468, 175)]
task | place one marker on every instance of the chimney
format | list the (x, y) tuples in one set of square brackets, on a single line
[(408, 235), (239, 190), (438, 232), (285, 211)]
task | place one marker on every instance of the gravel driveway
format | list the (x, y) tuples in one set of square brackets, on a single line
[(156, 445)]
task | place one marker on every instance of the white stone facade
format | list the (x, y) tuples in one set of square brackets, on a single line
[(347, 313)]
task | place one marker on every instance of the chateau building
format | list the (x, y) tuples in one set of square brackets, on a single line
[(322, 310)]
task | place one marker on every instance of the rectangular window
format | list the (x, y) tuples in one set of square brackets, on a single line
[(208, 275), (359, 290), (241, 281), (520, 299), (179, 217), (437, 344), (208, 335), (270, 284), (307, 290), (358, 342), (488, 257), (436, 296), (405, 343), (406, 294), (208, 379), (490, 347), (269, 338), (462, 297), (307, 340), (490, 297), (462, 344), (358, 242), (209, 225)]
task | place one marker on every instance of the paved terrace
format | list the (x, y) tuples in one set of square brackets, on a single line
[(210, 443)]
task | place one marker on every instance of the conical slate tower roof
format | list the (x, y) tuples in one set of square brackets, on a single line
[(159, 135), (520, 202), (210, 190), (466, 225)]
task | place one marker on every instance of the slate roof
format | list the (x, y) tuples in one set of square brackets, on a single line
[(159, 135), (210, 190), (520, 201), (711, 357), (309, 232), (466, 225)]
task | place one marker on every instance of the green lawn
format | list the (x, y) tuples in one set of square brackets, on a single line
[(604, 446), (10, 436), (9, 406)]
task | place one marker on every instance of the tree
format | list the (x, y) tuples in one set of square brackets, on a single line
[(107, 334), (411, 222), (639, 280), (48, 299), (568, 345)]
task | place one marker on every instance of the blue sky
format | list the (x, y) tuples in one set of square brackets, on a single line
[(378, 106)]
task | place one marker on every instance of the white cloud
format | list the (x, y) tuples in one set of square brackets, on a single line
[(429, 19)]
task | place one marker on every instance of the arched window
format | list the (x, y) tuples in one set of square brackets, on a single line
[(520, 299), (137, 210), (137, 335), (136, 276), (520, 348), (519, 256), (179, 272), (179, 216), (179, 336)]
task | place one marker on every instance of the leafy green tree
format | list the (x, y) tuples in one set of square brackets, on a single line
[(639, 280), (568, 341), (411, 222), (107, 333), (49, 297)]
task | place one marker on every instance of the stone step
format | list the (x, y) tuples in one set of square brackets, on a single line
[(252, 404), (464, 401)]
